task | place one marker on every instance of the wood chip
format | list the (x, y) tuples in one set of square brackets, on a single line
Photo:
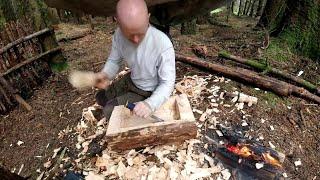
[(259, 165), (226, 174), (47, 164), (271, 145), (19, 143), (93, 176), (219, 133), (121, 169), (298, 163), (203, 117)]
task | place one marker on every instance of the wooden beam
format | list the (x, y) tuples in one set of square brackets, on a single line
[(23, 39), (28, 61)]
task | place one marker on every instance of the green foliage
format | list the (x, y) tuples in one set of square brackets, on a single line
[(59, 67), (271, 98), (2, 22)]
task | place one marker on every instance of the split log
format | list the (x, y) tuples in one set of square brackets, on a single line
[(263, 67), (279, 87)]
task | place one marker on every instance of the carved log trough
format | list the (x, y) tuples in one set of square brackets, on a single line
[(126, 131)]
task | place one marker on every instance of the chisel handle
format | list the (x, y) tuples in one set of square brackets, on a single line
[(130, 106)]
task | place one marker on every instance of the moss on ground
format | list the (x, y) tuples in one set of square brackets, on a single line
[(278, 50)]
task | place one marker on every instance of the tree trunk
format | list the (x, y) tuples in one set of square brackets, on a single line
[(239, 10), (189, 27), (297, 21), (272, 16), (246, 7), (232, 6), (53, 15), (252, 8), (259, 8)]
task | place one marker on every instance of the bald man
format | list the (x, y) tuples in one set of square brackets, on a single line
[(150, 56)]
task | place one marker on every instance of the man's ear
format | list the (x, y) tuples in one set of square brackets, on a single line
[(149, 15)]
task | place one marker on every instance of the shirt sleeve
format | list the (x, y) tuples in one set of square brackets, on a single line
[(112, 65), (167, 76)]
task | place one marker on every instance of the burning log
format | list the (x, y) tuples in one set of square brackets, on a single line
[(279, 87), (249, 157), (274, 71)]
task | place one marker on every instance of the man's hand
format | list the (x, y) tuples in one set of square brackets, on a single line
[(142, 109), (102, 81)]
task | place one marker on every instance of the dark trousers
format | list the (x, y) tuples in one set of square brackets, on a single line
[(118, 93)]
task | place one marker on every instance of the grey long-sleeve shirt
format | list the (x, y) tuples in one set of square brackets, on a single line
[(152, 64)]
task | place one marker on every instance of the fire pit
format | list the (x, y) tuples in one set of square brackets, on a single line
[(248, 159)]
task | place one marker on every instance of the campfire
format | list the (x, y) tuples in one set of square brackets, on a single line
[(246, 158), (247, 151)]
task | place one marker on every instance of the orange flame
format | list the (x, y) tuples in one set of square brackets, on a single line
[(271, 160), (243, 151)]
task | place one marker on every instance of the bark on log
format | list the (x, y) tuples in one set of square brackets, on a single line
[(21, 40), (279, 87), (28, 61), (151, 136), (74, 37), (274, 71)]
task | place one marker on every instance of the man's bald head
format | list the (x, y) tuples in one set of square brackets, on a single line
[(133, 19)]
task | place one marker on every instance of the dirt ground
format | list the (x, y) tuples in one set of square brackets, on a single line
[(57, 106)]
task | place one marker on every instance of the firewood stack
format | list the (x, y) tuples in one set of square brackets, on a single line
[(21, 62)]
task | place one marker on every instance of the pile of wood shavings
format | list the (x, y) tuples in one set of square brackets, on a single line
[(160, 162)]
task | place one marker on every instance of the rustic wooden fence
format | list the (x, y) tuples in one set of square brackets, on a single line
[(23, 62)]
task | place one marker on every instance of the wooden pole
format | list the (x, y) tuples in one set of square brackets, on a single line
[(279, 87), (23, 39)]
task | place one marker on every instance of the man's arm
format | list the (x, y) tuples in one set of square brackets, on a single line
[(167, 76), (112, 65)]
